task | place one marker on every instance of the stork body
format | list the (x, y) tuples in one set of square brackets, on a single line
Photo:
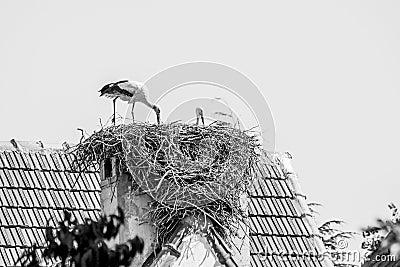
[(131, 92), (199, 115)]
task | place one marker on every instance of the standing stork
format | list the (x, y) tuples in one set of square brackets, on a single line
[(199, 115), (131, 92)]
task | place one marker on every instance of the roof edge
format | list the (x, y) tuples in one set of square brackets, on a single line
[(284, 160)]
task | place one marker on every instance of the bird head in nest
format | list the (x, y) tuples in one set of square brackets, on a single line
[(199, 115), (157, 110), (199, 111)]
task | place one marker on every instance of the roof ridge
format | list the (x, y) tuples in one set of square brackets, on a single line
[(31, 146)]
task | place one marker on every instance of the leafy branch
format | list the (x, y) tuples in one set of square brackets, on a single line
[(82, 245)]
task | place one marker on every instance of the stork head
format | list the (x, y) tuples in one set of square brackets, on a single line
[(106, 89), (111, 89), (157, 111)]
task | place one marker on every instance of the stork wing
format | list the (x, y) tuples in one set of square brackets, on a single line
[(132, 88), (113, 89)]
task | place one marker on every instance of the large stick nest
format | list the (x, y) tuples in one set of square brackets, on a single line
[(184, 168)]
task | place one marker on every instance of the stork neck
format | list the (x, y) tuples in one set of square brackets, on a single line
[(147, 103)]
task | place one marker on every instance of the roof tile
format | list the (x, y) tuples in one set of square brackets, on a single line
[(46, 163), (286, 189), (56, 178), (26, 198), (11, 160), (14, 178), (65, 162), (22, 178), (34, 161), (263, 188), (278, 172), (3, 199), (20, 161), (71, 181), (50, 161), (47, 181), (1, 166), (8, 177), (2, 240), (57, 161), (3, 180), (29, 177), (27, 161), (39, 159), (270, 171), (4, 162), (10, 197), (3, 221), (95, 178)]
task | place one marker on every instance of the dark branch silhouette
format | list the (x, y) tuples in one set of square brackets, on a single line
[(83, 245)]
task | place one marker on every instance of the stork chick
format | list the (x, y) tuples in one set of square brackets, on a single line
[(199, 115), (131, 92)]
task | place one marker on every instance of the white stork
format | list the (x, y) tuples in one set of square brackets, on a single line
[(199, 115), (131, 92)]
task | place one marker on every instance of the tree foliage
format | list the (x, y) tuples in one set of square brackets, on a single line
[(334, 239), (384, 237), (332, 236), (83, 245)]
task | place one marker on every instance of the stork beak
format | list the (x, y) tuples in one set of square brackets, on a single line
[(157, 110)]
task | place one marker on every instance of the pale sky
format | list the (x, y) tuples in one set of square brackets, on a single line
[(329, 70)]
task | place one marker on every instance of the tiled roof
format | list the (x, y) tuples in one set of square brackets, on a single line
[(281, 228), (35, 187)]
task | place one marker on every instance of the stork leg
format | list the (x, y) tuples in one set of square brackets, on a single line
[(202, 119), (133, 116), (113, 118)]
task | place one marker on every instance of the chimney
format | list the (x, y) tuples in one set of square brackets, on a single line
[(117, 190)]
